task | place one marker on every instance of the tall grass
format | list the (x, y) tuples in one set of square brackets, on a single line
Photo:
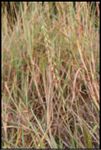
[(50, 75)]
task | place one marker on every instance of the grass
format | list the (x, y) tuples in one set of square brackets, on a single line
[(50, 75)]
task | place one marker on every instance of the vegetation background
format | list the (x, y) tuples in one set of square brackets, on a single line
[(50, 74)]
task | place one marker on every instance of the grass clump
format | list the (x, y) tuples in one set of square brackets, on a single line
[(50, 75)]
